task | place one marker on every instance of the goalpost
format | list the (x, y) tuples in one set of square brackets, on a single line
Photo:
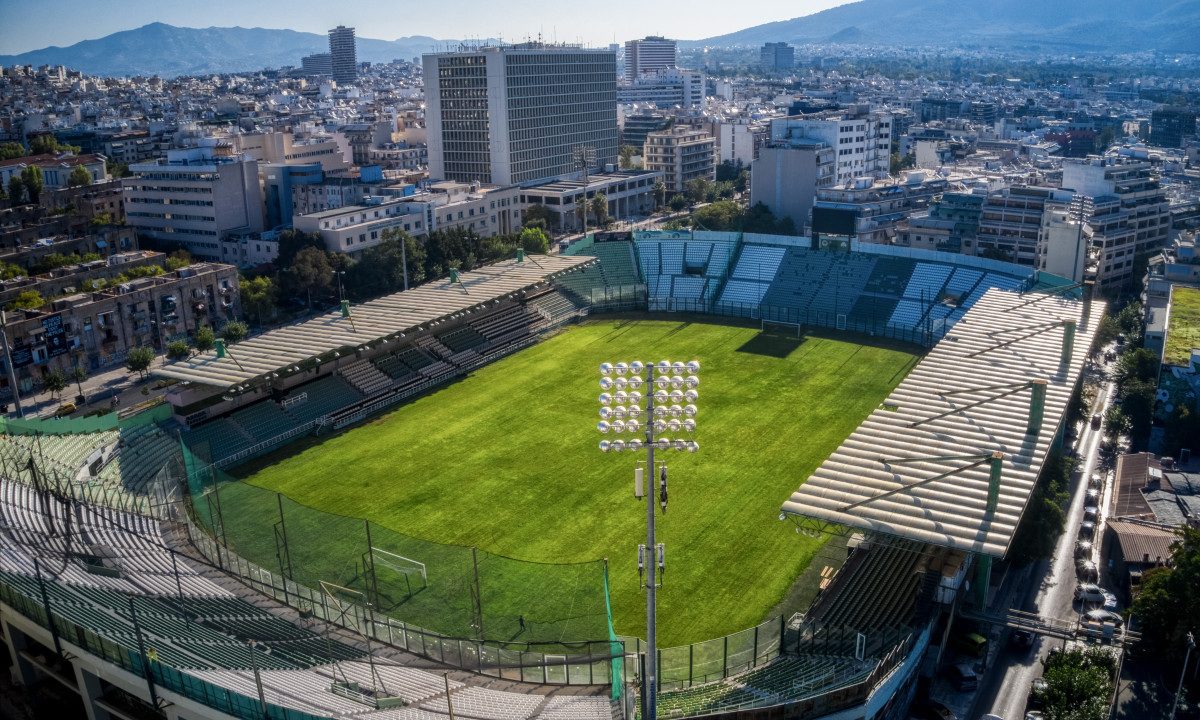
[(400, 564), (781, 327)]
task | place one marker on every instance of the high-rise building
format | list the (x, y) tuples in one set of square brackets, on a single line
[(1169, 127), (681, 154), (518, 114), (195, 197), (1129, 214), (786, 175), (650, 54), (317, 64), (343, 54), (667, 88), (777, 56)]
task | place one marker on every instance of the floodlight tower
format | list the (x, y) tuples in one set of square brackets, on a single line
[(669, 406)]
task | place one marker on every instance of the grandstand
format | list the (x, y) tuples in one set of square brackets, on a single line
[(104, 567)]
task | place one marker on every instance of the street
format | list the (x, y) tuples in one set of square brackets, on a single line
[(1048, 586)]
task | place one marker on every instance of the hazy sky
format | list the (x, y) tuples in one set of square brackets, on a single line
[(33, 24)]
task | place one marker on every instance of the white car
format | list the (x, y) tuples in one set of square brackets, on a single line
[(1089, 592), (1104, 616)]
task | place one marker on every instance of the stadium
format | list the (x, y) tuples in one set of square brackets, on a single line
[(399, 510)]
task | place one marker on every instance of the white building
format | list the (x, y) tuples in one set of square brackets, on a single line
[(667, 88), (520, 114), (861, 140), (1063, 244), (194, 196), (681, 154), (650, 54), (284, 147)]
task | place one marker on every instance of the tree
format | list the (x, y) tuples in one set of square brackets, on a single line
[(291, 242), (79, 176), (1116, 423), (32, 178), (1078, 684), (259, 297), (235, 331), (539, 216), (627, 153), (117, 170), (16, 190), (204, 339), (534, 240), (729, 170), (178, 349), (1136, 364), (678, 202), (179, 259), (1168, 606), (27, 300), (77, 375), (1181, 430), (599, 208), (11, 150), (54, 382), (660, 194), (310, 270), (1137, 403), (381, 268), (139, 359), (1107, 331), (698, 189), (48, 145), (1130, 321)]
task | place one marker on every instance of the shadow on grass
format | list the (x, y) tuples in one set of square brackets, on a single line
[(772, 345)]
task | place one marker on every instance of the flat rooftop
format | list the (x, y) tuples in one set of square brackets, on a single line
[(386, 318), (919, 467)]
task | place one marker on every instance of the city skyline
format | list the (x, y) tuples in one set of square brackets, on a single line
[(25, 29)]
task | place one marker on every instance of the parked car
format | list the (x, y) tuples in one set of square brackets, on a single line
[(972, 644), (1083, 548), (1087, 529), (65, 409), (1087, 571), (1037, 694), (1102, 616), (1096, 421), (1089, 592), (963, 676), (1093, 496), (1095, 480), (1089, 511), (1110, 601)]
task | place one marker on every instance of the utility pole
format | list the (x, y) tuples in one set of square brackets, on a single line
[(12, 373)]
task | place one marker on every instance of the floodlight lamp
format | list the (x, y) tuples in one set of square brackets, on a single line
[(618, 412), (662, 381), (635, 398), (663, 443), (636, 381), (679, 444), (676, 411), (621, 396), (691, 395), (606, 383), (606, 368), (782, 516), (618, 426), (689, 410), (632, 426), (660, 411), (661, 397), (673, 425), (678, 367), (660, 426), (618, 445), (636, 367), (605, 446), (603, 426), (689, 425), (621, 383), (692, 381), (606, 413), (692, 446), (606, 399), (677, 382), (634, 411), (633, 444), (677, 396), (693, 366), (621, 368), (664, 366)]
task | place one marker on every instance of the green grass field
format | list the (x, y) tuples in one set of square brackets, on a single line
[(1183, 330), (507, 460)]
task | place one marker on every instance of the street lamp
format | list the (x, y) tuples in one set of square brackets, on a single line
[(1191, 645), (341, 293), (649, 399)]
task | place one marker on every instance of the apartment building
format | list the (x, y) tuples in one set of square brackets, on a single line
[(862, 140), (649, 55), (56, 169), (666, 88), (343, 54), (1130, 216), (1010, 225), (520, 114), (681, 154), (285, 147), (787, 175)]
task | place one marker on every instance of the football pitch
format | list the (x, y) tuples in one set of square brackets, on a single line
[(506, 460)]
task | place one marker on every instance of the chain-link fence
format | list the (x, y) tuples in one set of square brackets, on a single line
[(467, 607)]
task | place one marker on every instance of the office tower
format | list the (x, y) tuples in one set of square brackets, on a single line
[(648, 55), (777, 56), (343, 55), (317, 64), (1169, 127), (520, 113)]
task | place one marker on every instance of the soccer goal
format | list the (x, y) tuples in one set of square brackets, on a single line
[(778, 327), (400, 564)]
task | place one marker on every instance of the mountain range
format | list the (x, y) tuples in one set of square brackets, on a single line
[(167, 50), (1062, 25), (1029, 25)]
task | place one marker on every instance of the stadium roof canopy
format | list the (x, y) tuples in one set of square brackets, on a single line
[(385, 318), (922, 466)]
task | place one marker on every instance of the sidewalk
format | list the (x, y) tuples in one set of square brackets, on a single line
[(98, 389)]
